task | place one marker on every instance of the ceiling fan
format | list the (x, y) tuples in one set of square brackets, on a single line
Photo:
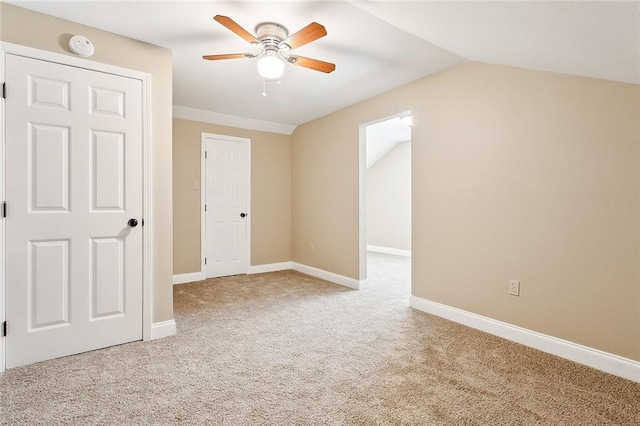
[(274, 44)]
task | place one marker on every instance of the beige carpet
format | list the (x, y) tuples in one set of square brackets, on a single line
[(287, 349)]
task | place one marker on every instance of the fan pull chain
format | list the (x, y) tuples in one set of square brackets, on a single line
[(264, 87)]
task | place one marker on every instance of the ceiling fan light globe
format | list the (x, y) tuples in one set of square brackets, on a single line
[(270, 67)]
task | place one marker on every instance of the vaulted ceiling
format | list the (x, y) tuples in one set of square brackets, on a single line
[(376, 45)]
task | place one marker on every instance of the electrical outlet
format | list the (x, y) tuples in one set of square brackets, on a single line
[(514, 287)]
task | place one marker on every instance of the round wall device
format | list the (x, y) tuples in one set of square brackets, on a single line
[(81, 46)]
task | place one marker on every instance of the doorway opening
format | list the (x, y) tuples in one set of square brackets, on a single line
[(385, 203)]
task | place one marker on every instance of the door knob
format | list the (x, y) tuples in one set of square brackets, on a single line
[(132, 222), (243, 214)]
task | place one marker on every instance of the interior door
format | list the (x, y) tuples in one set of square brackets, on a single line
[(74, 210), (225, 207)]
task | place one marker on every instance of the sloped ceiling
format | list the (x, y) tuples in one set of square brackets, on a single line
[(598, 39), (376, 45), (383, 136)]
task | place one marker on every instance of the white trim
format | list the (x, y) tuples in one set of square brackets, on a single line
[(44, 55), (203, 193), (203, 199), (2, 196), (389, 250), (188, 278), (362, 201), (147, 234), (212, 117), (330, 276), (283, 266), (147, 211), (163, 329), (249, 216), (600, 360), (269, 267)]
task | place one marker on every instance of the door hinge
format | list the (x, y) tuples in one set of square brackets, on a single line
[(205, 154), (142, 221), (4, 90), (205, 260), (4, 209), (4, 329), (205, 207)]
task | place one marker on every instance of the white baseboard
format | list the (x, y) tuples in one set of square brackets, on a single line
[(600, 360), (163, 329), (188, 278), (389, 250), (269, 267), (330, 276), (283, 266)]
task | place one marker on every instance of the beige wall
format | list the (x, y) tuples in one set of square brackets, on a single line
[(389, 199), (270, 194), (324, 185), (516, 175), (27, 28)]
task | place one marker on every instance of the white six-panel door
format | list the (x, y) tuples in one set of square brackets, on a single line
[(73, 182), (226, 216)]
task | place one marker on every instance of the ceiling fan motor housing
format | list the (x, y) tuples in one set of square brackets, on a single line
[(271, 34)]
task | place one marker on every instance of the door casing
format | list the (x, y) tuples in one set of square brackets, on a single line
[(147, 230), (203, 243)]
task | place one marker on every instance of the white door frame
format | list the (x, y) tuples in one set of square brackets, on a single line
[(203, 193), (147, 230), (362, 190)]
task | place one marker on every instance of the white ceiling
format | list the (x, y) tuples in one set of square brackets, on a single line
[(375, 45), (598, 39), (383, 136)]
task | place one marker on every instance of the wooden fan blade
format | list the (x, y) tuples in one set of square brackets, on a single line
[(313, 64), (228, 56), (311, 32), (233, 26)]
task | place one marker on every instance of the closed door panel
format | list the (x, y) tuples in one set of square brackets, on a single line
[(226, 201), (74, 179)]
